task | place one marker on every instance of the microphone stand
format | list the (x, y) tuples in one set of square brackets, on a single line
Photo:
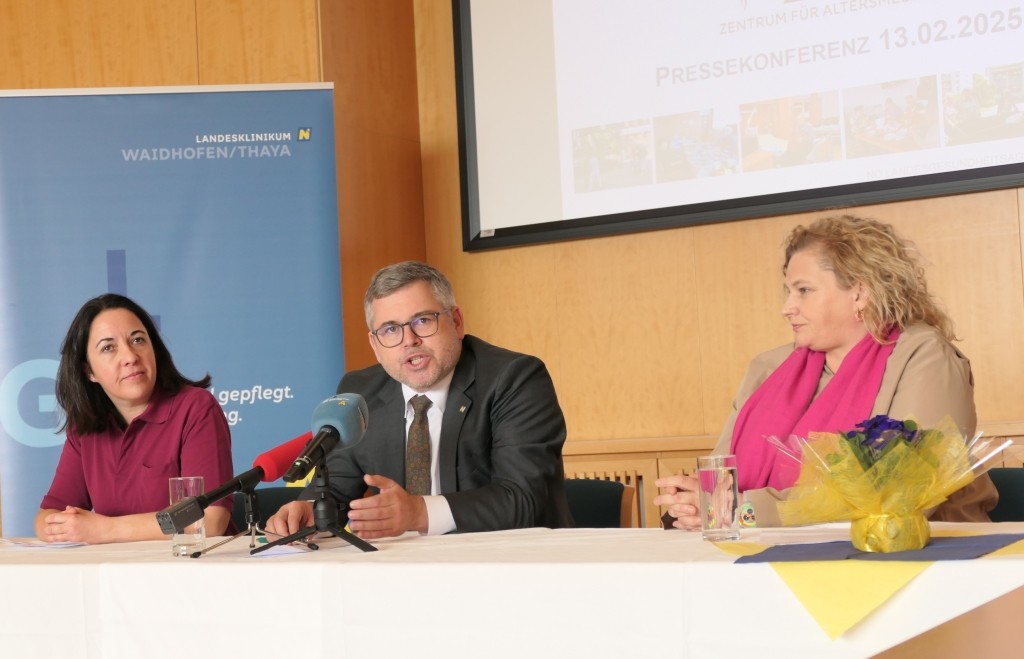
[(325, 518), (252, 520)]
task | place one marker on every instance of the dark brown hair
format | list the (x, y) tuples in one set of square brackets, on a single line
[(87, 408)]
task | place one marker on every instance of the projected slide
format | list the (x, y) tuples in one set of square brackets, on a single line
[(593, 109)]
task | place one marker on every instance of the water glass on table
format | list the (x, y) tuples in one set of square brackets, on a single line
[(193, 537), (719, 497)]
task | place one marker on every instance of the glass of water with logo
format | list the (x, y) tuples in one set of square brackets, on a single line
[(719, 497), (193, 537)]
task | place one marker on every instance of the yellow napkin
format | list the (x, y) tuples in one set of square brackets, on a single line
[(865, 586), (741, 548)]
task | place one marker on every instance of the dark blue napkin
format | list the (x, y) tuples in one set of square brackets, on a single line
[(957, 548)]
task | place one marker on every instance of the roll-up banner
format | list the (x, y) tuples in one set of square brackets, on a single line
[(215, 208)]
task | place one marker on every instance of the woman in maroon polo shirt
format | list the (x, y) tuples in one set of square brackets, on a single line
[(132, 421)]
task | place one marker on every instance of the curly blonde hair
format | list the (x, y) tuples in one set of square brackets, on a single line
[(864, 250)]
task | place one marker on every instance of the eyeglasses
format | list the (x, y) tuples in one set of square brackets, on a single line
[(423, 325)]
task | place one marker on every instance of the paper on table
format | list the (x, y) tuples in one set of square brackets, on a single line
[(35, 543), (281, 550)]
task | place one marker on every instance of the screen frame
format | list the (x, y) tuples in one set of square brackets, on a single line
[(741, 208)]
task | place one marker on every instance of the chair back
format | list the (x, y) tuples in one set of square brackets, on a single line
[(1009, 482), (600, 504)]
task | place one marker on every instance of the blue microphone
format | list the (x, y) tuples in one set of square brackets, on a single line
[(340, 418)]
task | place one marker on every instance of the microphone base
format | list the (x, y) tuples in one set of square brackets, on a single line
[(351, 538), (336, 531), (287, 539), (252, 520), (252, 532), (325, 507)]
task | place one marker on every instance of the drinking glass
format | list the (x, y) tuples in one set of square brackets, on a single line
[(193, 537), (719, 497)]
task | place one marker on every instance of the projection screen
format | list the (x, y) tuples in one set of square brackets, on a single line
[(590, 117)]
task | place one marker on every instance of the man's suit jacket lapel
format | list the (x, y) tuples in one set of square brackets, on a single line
[(457, 408), (389, 435)]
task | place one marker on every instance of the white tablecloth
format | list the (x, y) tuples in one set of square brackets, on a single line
[(528, 593)]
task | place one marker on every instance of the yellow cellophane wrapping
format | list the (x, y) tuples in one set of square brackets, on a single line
[(886, 502), (886, 533)]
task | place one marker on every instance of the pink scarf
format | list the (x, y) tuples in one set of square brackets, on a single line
[(785, 405)]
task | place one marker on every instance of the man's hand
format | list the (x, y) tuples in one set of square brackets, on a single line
[(290, 518), (391, 512), (680, 495)]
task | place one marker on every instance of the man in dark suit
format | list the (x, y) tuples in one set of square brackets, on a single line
[(495, 427)]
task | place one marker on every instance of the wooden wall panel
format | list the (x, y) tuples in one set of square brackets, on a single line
[(47, 44), (497, 316), (628, 348), (114, 43), (373, 44), (369, 53), (1020, 221), (725, 311), (739, 275), (245, 42)]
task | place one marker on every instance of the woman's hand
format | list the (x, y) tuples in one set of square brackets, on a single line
[(75, 525), (679, 493), (78, 525)]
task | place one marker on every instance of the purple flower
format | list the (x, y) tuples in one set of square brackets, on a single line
[(877, 433)]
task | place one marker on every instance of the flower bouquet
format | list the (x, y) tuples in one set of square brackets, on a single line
[(884, 477)]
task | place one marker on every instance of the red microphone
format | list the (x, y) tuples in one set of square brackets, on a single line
[(277, 460)]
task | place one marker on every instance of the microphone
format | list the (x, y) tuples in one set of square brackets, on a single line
[(277, 460), (340, 418), (267, 467)]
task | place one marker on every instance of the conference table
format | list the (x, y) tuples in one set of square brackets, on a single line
[(521, 593)]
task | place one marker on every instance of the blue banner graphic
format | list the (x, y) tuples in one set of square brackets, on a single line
[(213, 208)]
